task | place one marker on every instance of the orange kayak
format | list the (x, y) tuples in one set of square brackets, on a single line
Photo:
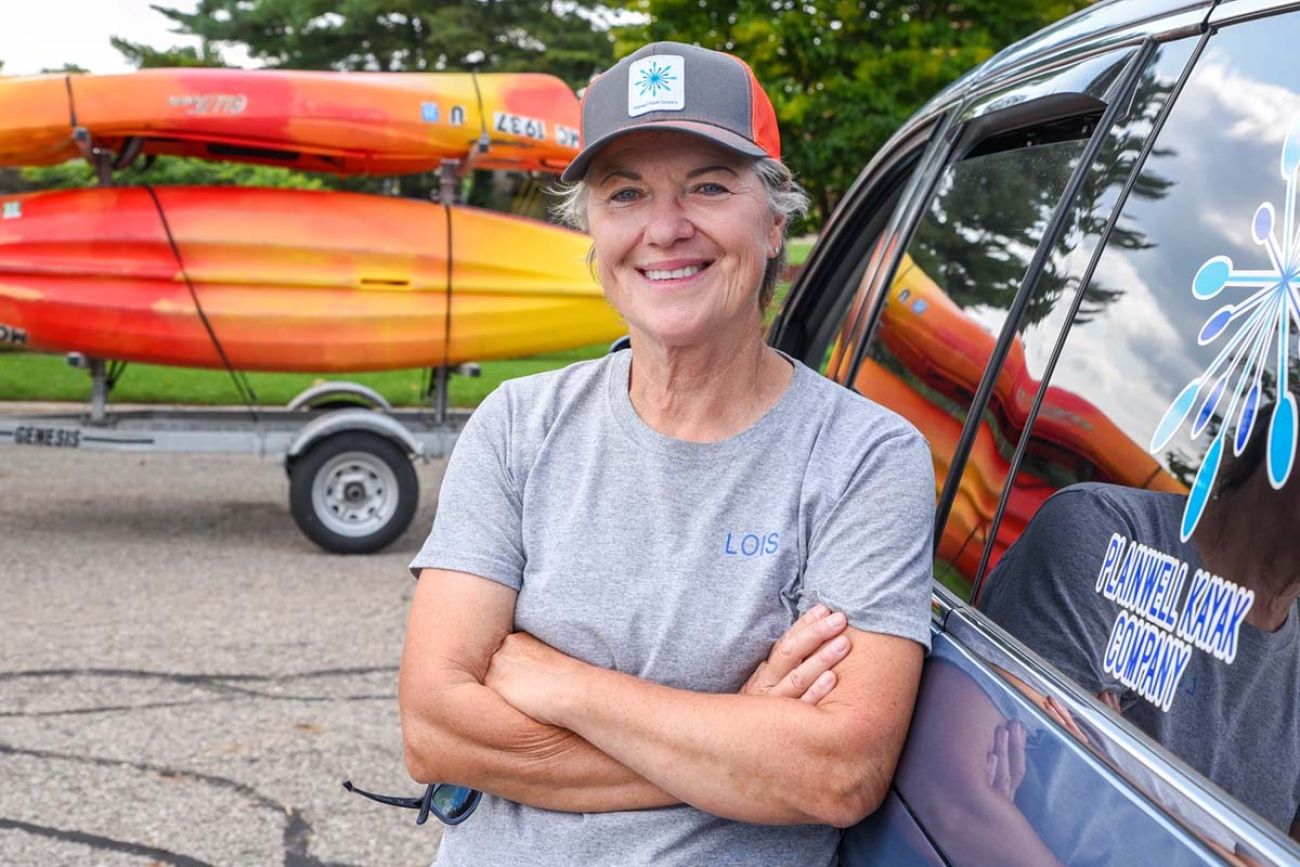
[(289, 280), (341, 122)]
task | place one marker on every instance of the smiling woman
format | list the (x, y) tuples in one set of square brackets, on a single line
[(674, 603)]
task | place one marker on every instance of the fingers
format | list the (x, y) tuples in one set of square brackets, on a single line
[(817, 612), (802, 640), (1002, 763), (1004, 767), (821, 687), (807, 674), (1058, 712), (1016, 740), (1110, 699)]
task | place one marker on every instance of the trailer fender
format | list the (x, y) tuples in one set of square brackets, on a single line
[(350, 420), (331, 392)]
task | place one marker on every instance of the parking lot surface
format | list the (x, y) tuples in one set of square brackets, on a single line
[(185, 678)]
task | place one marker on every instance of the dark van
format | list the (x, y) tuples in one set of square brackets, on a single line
[(1077, 272)]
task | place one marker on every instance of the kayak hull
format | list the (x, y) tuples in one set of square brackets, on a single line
[(345, 123), (289, 280)]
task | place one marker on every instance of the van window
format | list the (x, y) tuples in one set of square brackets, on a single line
[(1149, 546), (965, 537)]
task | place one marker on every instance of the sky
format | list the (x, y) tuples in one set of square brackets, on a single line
[(37, 34)]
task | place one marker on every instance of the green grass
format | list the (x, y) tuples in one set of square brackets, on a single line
[(35, 376), (796, 252)]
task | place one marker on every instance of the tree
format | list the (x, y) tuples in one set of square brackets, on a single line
[(562, 37), (844, 74), (143, 57), (568, 39), (68, 68)]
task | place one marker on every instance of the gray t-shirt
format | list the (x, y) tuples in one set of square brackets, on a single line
[(1235, 722), (679, 563)]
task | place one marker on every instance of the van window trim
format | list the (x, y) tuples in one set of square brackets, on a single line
[(846, 249), (995, 648)]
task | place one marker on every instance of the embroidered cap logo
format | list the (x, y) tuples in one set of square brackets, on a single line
[(654, 79), (656, 83)]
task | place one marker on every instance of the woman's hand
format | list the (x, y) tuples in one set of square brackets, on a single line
[(800, 662), (525, 672)]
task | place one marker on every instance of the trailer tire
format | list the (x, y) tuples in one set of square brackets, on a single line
[(353, 492)]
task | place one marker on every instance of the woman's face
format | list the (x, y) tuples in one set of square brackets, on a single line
[(682, 232)]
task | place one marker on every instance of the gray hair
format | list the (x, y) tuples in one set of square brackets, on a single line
[(785, 198)]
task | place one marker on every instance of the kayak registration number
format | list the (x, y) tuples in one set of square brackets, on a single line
[(519, 124)]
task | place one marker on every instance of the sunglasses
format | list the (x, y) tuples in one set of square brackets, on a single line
[(451, 804)]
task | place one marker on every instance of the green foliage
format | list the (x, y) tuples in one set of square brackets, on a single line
[(555, 36), (164, 172), (844, 74), (143, 57), (65, 68)]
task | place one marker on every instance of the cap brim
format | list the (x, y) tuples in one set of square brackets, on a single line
[(577, 169)]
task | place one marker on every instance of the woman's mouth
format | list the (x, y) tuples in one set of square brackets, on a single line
[(684, 272)]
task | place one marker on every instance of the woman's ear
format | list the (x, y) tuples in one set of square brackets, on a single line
[(775, 236)]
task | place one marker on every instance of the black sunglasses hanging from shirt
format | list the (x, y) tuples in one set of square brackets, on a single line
[(451, 804)]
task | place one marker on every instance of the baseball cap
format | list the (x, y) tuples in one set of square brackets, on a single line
[(671, 85)]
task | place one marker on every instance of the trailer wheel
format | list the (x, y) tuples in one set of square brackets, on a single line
[(353, 492)]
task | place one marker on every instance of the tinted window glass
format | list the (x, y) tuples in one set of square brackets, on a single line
[(853, 273), (952, 290), (1166, 582), (1052, 296), (839, 354)]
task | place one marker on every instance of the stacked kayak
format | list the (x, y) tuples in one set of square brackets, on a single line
[(341, 122), (289, 279)]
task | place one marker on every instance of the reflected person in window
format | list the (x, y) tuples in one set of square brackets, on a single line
[(1196, 643)]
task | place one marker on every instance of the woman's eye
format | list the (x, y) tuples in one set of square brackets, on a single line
[(625, 195), (712, 189)]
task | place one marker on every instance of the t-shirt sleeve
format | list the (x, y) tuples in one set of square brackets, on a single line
[(478, 527), (871, 555), (1042, 590)]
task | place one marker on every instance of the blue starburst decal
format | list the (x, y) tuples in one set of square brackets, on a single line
[(654, 79), (1253, 327)]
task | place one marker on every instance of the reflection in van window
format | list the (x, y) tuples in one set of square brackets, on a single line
[(1171, 593), (950, 297)]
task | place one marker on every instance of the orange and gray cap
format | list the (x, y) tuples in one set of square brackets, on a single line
[(670, 85)]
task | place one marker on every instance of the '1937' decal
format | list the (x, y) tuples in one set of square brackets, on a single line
[(518, 124), (12, 335)]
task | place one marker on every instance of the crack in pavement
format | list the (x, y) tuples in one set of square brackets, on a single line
[(81, 711), (296, 839), (221, 683), (95, 841), (200, 679)]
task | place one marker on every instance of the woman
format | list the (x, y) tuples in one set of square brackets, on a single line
[(619, 543)]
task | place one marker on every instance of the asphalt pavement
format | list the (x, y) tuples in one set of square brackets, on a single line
[(185, 678)]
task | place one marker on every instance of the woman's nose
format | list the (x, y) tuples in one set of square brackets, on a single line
[(669, 222)]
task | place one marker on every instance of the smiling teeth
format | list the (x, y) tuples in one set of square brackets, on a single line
[(673, 275)]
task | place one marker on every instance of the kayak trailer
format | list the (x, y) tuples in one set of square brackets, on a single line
[(348, 453)]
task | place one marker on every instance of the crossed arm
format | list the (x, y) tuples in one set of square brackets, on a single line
[(504, 713)]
